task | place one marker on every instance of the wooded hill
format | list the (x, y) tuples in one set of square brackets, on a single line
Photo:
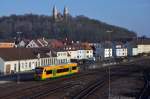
[(78, 28)]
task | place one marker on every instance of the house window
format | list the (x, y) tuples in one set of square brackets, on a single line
[(49, 72), (26, 64), (53, 61), (64, 61), (43, 61), (15, 67), (36, 64), (48, 61), (29, 64)]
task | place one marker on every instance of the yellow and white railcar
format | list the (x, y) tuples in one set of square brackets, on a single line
[(45, 72)]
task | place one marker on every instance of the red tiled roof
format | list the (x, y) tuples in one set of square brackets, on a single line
[(55, 43)]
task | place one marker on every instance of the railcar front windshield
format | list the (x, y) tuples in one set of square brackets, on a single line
[(39, 70)]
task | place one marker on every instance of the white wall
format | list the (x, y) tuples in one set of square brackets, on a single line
[(11, 63), (88, 54), (121, 52), (84, 54), (80, 54), (73, 54), (25, 65), (21, 44), (28, 64), (63, 57), (143, 48), (107, 52), (48, 61), (134, 51)]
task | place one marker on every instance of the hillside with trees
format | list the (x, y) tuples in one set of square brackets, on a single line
[(78, 28)]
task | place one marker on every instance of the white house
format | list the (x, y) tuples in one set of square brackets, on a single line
[(23, 43), (25, 59), (103, 50), (143, 48), (72, 51), (16, 60), (62, 56), (107, 52), (39, 43), (120, 50), (79, 52), (33, 44), (97, 51), (73, 54)]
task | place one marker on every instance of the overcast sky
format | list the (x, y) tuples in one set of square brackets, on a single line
[(131, 14)]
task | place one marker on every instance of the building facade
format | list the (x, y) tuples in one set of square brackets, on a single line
[(119, 49), (143, 48), (26, 59)]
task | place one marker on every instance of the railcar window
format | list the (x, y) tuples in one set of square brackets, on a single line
[(49, 72), (74, 68), (63, 70)]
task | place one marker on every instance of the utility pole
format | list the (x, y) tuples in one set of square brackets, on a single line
[(109, 80), (109, 83), (18, 76)]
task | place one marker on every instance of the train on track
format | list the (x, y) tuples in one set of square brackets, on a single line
[(46, 72)]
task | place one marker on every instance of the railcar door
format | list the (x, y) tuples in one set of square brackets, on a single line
[(70, 69), (54, 72)]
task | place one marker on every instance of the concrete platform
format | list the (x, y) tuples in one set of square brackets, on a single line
[(3, 82)]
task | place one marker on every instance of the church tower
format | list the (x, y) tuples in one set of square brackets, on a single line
[(66, 13), (55, 13)]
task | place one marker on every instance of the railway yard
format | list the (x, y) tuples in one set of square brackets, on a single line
[(128, 80)]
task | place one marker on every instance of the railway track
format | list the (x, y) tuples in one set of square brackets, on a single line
[(47, 92), (116, 73), (43, 89), (144, 94), (88, 90)]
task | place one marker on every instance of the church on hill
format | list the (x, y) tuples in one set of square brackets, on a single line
[(57, 16)]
